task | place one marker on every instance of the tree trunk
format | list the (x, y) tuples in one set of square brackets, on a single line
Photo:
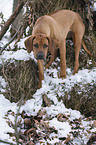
[(17, 22)]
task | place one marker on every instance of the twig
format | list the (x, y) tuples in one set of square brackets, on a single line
[(6, 142), (15, 126), (11, 40)]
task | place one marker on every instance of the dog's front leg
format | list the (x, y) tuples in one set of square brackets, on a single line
[(63, 59), (41, 75), (53, 57)]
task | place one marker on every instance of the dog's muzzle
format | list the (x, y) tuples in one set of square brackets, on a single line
[(40, 56)]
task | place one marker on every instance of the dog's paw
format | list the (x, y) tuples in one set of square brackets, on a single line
[(39, 85), (75, 72), (46, 67), (61, 76)]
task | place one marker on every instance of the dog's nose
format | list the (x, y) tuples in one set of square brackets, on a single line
[(40, 56)]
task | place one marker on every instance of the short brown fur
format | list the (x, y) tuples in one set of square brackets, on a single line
[(50, 32)]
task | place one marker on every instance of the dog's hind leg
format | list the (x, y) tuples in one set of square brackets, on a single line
[(77, 39), (63, 59)]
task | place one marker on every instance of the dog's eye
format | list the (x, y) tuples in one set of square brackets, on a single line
[(36, 45), (45, 46)]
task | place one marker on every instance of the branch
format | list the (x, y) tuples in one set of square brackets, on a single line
[(11, 19), (11, 40), (16, 118), (6, 142)]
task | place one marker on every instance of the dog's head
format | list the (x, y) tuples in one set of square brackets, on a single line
[(39, 45)]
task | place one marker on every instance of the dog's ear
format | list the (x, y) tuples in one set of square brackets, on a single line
[(52, 44), (29, 43)]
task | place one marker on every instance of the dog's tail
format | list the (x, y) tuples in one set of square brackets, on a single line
[(86, 48)]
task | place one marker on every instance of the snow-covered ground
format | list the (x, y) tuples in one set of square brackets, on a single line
[(33, 105)]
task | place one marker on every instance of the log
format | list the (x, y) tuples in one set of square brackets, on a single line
[(11, 19)]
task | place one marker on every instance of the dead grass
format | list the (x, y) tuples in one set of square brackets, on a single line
[(22, 79), (82, 98)]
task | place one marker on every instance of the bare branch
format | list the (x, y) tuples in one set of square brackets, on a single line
[(15, 126), (11, 40), (6, 142)]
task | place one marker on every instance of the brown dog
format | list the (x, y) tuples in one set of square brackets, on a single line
[(49, 33)]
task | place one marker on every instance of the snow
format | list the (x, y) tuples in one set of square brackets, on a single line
[(2, 83), (5, 105), (63, 127), (6, 8), (18, 55), (94, 6), (33, 105)]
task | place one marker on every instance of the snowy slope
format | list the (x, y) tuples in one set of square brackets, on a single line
[(34, 105)]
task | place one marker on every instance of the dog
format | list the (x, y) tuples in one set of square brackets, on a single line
[(49, 33)]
